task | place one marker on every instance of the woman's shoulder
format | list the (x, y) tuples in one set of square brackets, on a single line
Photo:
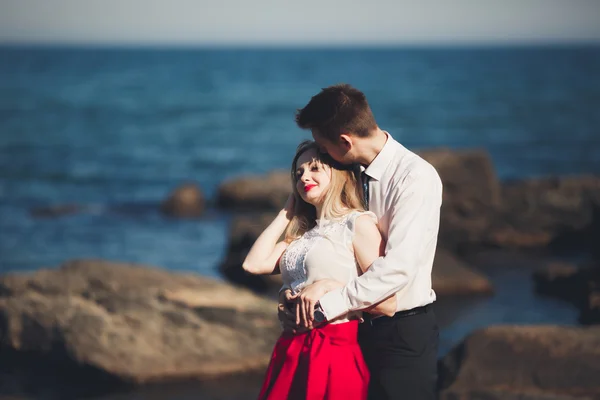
[(358, 219)]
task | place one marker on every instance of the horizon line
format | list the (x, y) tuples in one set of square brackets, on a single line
[(300, 45)]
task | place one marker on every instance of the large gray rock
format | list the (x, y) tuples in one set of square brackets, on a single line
[(132, 324), (477, 209), (471, 196), (451, 277), (539, 212), (256, 192), (525, 363), (243, 233)]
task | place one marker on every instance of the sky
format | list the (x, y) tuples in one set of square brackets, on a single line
[(199, 22)]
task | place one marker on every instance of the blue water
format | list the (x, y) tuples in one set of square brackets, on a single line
[(121, 128)]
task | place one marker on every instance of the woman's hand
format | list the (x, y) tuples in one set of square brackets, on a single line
[(308, 297)]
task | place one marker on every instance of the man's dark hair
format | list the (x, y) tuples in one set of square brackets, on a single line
[(336, 110)]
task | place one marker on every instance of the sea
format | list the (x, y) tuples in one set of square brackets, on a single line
[(115, 130)]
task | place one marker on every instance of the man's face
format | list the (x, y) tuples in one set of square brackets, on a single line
[(337, 151)]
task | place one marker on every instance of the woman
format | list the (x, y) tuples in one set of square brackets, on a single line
[(327, 235)]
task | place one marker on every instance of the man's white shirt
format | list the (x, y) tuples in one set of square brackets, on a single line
[(405, 193)]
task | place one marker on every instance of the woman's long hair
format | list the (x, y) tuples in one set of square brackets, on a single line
[(341, 196)]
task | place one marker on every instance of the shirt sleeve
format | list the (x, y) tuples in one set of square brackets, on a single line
[(285, 286), (414, 221)]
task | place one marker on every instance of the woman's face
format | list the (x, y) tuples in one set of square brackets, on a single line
[(312, 176)]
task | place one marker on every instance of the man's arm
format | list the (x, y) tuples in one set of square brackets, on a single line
[(414, 223)]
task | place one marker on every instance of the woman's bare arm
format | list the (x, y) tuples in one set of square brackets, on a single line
[(263, 257)]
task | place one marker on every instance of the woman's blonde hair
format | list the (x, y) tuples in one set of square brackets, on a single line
[(341, 196)]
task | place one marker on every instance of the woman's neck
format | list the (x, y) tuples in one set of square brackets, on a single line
[(319, 209)]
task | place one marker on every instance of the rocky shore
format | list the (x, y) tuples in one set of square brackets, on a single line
[(478, 211), (91, 326), (117, 325)]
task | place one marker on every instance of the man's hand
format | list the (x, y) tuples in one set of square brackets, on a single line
[(287, 317), (385, 307), (308, 297)]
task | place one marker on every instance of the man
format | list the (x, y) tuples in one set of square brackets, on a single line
[(405, 193)]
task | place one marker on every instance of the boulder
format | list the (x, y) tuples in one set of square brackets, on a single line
[(558, 211), (579, 285), (478, 210), (256, 192), (186, 201), (525, 363), (243, 233), (129, 324), (451, 277), (471, 196), (57, 210)]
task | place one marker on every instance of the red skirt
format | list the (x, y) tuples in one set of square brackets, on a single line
[(324, 363)]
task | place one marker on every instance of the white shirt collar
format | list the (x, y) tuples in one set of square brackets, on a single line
[(380, 163)]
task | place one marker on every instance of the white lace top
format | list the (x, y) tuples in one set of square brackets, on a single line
[(323, 252)]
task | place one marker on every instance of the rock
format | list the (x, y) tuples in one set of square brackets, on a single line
[(243, 233), (186, 201), (129, 324), (478, 211), (56, 210), (472, 194), (549, 211), (590, 314), (559, 279), (453, 277), (524, 362), (506, 236), (259, 192), (578, 285)]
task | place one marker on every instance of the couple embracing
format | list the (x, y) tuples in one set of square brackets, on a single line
[(359, 237)]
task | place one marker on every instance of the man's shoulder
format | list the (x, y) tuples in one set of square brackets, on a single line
[(409, 165)]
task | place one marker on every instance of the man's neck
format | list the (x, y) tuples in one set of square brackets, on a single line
[(370, 147)]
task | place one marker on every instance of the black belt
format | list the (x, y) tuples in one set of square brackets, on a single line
[(375, 320)]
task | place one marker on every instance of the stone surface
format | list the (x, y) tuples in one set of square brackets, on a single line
[(524, 362), (243, 233), (186, 201), (579, 285), (560, 211), (132, 324), (256, 192), (56, 210), (472, 194), (451, 277)]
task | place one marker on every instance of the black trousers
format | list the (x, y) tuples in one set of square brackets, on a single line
[(401, 353)]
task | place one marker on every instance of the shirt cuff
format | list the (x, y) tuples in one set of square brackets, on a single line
[(333, 304), (284, 287)]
